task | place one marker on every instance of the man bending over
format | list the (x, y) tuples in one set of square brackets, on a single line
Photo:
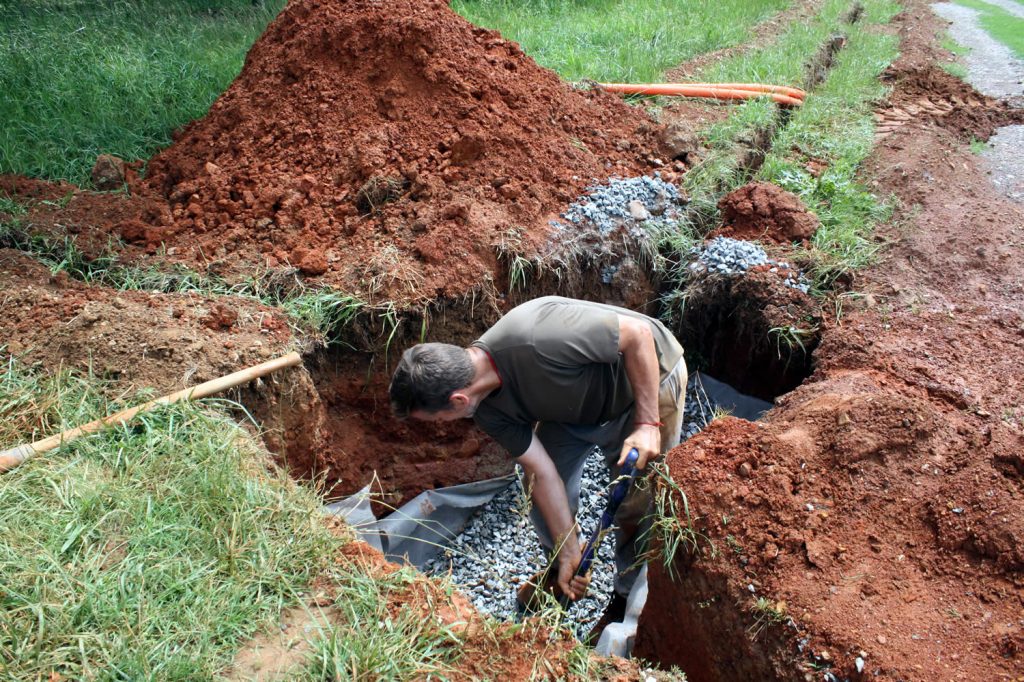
[(551, 380)]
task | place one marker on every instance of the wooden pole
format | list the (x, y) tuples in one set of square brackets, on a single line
[(15, 456)]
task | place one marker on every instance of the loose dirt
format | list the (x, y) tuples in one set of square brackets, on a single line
[(396, 152), (877, 512), (762, 211), (388, 151)]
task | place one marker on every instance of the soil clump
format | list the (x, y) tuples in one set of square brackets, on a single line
[(925, 95), (762, 211), (871, 525)]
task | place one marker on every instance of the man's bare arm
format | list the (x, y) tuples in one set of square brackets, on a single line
[(636, 343), (549, 495)]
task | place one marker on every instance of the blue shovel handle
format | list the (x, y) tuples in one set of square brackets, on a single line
[(615, 498)]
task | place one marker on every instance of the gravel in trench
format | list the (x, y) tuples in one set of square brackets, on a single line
[(499, 550)]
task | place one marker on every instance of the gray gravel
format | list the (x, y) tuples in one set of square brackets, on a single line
[(991, 67), (625, 201), (498, 550), (727, 256), (1004, 156)]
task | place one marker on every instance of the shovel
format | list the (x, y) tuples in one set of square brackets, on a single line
[(526, 599)]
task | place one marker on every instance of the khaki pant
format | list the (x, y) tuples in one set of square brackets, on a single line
[(569, 446)]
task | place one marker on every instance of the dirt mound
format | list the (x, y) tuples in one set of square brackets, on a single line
[(766, 212), (857, 523), (928, 95), (142, 340), (386, 149)]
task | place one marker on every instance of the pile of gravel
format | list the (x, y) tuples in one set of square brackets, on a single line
[(499, 550), (727, 256), (624, 201)]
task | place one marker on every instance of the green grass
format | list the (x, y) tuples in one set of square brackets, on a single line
[(782, 63), (618, 40), (1003, 26), (84, 78), (955, 69), (836, 126), (155, 550), (956, 48), (978, 146), (149, 551)]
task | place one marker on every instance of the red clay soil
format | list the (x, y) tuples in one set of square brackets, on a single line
[(763, 211), (924, 95), (136, 338), (387, 149), (879, 510)]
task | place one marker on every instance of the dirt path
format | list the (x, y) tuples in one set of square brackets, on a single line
[(872, 527)]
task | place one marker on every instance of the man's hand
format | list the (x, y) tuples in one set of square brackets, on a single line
[(573, 587), (636, 343), (548, 492), (646, 438)]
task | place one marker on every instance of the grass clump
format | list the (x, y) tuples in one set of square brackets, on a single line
[(618, 40), (672, 525), (148, 551), (84, 78), (767, 614)]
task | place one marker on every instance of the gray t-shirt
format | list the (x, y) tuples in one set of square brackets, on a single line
[(559, 361)]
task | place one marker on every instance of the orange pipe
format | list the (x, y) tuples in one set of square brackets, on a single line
[(779, 89), (684, 90)]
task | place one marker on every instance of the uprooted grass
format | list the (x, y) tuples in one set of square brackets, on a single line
[(145, 552), (673, 528)]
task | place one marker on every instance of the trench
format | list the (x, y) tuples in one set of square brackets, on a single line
[(331, 424), (446, 499)]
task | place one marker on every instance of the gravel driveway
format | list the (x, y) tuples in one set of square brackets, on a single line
[(994, 70)]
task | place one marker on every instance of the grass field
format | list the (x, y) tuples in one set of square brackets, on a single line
[(612, 41), (85, 78)]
